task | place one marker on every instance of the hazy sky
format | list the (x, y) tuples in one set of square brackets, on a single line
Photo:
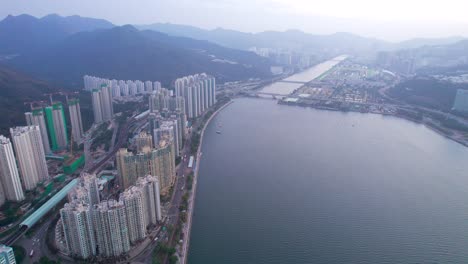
[(389, 19)]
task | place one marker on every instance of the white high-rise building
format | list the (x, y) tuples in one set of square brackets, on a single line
[(134, 201), (75, 118), (199, 92), (140, 87), (7, 256), (102, 104), (148, 87), (78, 229), (157, 86), (168, 129), (29, 150), (36, 118), (111, 228), (150, 186), (86, 191), (9, 174)]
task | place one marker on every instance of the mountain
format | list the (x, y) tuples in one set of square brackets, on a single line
[(127, 53), (328, 45), (438, 59), (421, 42), (15, 89), (296, 40), (28, 34)]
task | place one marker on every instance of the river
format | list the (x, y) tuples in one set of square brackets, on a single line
[(297, 80), (286, 184)]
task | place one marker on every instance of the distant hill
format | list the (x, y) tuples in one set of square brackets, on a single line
[(16, 89), (327, 45), (127, 53), (437, 59), (27, 34), (428, 92), (332, 44), (421, 42)]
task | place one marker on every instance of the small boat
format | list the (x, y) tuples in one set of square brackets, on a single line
[(218, 132)]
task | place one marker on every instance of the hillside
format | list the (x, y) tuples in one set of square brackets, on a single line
[(427, 92), (16, 89), (323, 45), (127, 53), (28, 34)]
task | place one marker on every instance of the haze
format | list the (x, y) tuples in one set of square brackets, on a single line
[(391, 20)]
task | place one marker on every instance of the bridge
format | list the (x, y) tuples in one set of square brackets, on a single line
[(41, 212)]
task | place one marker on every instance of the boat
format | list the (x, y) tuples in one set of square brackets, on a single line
[(218, 132)]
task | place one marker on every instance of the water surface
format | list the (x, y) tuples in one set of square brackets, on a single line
[(285, 184)]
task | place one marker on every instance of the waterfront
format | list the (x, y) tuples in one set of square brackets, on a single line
[(287, 184), (297, 80)]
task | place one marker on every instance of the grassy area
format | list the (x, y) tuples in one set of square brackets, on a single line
[(20, 253)]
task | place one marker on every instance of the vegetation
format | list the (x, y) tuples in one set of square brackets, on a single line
[(20, 253), (102, 136), (46, 260), (189, 181), (10, 209), (427, 92)]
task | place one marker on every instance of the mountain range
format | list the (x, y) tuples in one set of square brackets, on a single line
[(63, 49), (330, 45), (16, 90)]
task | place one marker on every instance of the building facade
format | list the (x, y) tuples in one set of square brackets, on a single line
[(9, 175), (78, 229), (57, 126), (111, 228), (102, 103), (75, 119), (198, 91), (134, 201), (159, 162), (36, 118), (7, 256), (29, 150)]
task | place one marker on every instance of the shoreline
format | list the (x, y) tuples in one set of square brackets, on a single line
[(429, 125), (186, 243)]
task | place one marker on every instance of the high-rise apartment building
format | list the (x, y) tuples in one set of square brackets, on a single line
[(143, 140), (148, 87), (134, 201), (168, 129), (86, 191), (7, 256), (102, 104), (159, 162), (78, 229), (75, 119), (9, 175), (111, 228), (57, 126), (29, 150), (150, 186), (36, 118), (199, 92)]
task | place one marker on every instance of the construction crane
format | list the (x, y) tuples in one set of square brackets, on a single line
[(71, 145), (37, 103), (50, 96), (67, 94)]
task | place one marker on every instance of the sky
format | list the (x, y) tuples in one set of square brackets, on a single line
[(392, 20)]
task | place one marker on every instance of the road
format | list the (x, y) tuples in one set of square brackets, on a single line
[(176, 199)]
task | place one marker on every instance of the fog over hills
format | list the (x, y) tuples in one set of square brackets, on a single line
[(70, 50)]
